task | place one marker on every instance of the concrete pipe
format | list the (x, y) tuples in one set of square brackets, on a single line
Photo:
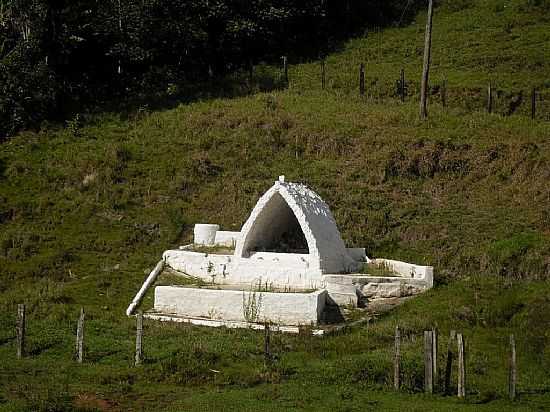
[(205, 234)]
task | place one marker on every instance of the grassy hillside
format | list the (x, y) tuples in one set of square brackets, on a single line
[(474, 43), (86, 210)]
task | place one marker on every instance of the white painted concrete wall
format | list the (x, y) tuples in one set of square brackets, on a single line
[(226, 238), (346, 289), (409, 270), (281, 308), (280, 270), (209, 267)]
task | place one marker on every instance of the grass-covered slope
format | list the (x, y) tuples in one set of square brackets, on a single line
[(474, 43), (85, 212)]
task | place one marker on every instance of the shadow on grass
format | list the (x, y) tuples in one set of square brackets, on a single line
[(6, 340), (96, 356), (263, 78), (38, 349)]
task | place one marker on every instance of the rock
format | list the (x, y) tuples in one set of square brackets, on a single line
[(381, 290), (89, 179), (342, 299), (341, 291)]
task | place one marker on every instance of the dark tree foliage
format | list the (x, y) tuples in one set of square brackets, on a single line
[(60, 56)]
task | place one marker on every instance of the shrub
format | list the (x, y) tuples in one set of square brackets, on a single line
[(27, 91)]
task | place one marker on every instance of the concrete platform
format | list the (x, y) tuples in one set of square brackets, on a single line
[(170, 317)]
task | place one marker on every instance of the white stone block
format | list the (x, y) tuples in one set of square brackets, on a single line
[(343, 299), (389, 290)]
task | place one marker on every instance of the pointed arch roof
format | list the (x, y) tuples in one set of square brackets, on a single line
[(325, 244)]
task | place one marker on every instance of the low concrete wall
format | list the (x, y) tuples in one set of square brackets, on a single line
[(209, 267), (225, 238), (409, 270), (237, 305), (292, 270), (279, 269), (347, 289)]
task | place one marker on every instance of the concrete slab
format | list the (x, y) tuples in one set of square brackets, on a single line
[(165, 317)]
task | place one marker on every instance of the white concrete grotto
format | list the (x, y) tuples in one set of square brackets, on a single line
[(289, 260)]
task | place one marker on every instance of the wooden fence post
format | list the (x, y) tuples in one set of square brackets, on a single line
[(426, 65), (490, 98), (461, 366), (434, 356), (449, 365), (139, 338), (428, 361), (267, 342), (397, 359), (20, 330), (402, 85), (513, 369), (362, 79), (323, 74), (285, 69), (379, 43), (534, 103), (80, 337)]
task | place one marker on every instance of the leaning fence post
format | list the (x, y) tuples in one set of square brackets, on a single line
[(428, 361), (449, 365), (396, 359), (139, 338), (20, 330), (461, 366), (80, 337), (513, 369), (362, 79)]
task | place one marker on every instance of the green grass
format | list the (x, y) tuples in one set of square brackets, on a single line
[(85, 214), (378, 269), (504, 42), (214, 250)]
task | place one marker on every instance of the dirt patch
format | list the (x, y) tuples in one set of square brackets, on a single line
[(93, 402)]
